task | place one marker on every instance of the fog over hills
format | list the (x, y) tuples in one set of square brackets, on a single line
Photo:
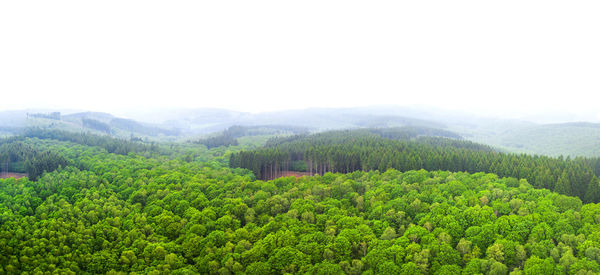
[(554, 134)]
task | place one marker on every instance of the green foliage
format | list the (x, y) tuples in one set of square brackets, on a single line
[(368, 149), (112, 145), (217, 141), (167, 213), (19, 155), (231, 136)]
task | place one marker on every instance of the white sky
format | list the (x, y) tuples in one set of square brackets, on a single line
[(487, 56)]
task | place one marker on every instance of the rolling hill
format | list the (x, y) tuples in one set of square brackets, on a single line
[(567, 139)]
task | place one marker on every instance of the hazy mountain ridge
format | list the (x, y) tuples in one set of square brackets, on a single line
[(568, 138), (13, 122), (212, 120), (77, 117)]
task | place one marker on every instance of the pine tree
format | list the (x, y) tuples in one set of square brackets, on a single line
[(592, 195), (563, 186)]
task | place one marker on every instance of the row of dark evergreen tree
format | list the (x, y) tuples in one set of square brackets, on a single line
[(226, 138), (229, 136), (348, 151), (218, 141), (395, 133), (18, 156), (112, 145)]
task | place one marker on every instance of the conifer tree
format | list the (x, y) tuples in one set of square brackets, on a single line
[(593, 191), (563, 186)]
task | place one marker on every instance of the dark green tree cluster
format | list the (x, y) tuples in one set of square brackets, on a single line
[(22, 157), (230, 136), (112, 145), (218, 141), (13, 152), (348, 151), (42, 162), (394, 133), (226, 138)]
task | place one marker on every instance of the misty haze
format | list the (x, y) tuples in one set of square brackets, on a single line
[(317, 137)]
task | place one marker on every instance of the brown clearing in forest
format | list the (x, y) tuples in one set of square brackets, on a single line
[(293, 174), (12, 175)]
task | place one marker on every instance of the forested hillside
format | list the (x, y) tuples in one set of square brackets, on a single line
[(348, 151), (567, 139), (23, 156), (211, 126), (110, 144), (154, 215), (231, 135), (178, 209)]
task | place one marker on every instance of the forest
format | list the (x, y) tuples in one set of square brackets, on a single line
[(18, 155), (373, 149), (115, 206), (231, 135)]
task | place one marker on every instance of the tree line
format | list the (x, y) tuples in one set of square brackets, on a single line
[(352, 150), (110, 144), (16, 155), (229, 137)]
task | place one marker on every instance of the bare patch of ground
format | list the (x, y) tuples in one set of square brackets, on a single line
[(294, 174), (12, 175)]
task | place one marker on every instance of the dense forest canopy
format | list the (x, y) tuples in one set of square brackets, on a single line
[(179, 208), (352, 150), (230, 136), (112, 145), (20, 155)]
